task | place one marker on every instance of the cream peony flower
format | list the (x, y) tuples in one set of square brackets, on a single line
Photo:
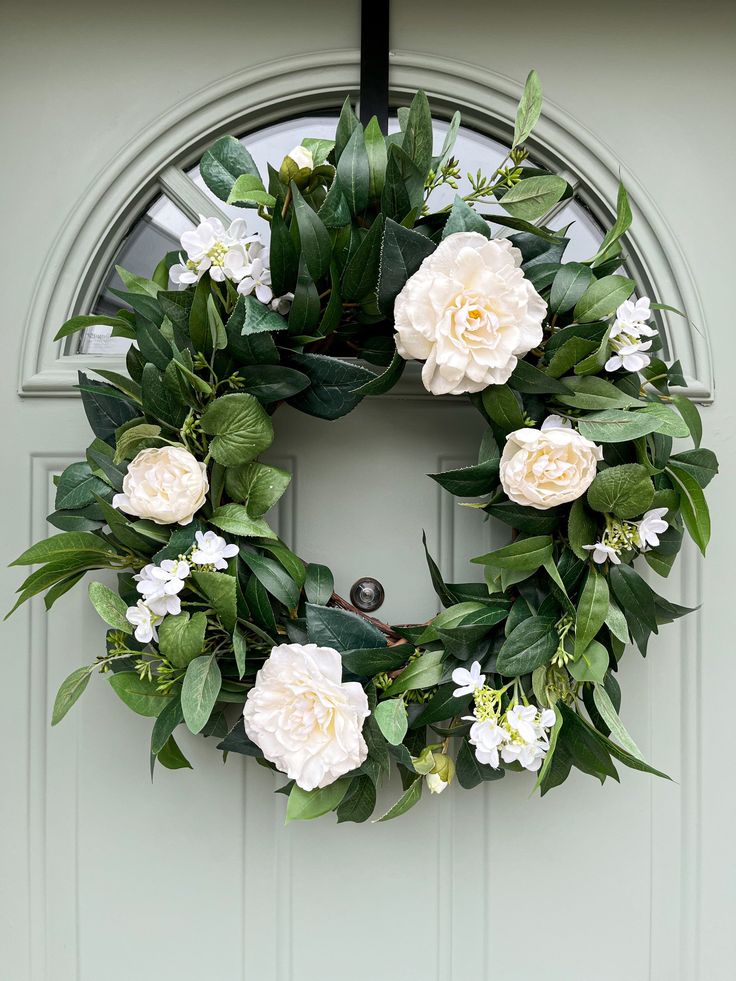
[(467, 313), (541, 468), (166, 485), (304, 718)]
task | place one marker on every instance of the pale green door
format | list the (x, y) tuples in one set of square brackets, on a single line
[(109, 878)]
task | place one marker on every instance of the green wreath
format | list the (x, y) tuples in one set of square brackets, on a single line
[(218, 626)]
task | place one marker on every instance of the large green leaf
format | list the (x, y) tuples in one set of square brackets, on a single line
[(240, 427), (353, 172), (181, 638), (220, 590), (199, 691), (622, 425), (503, 407), (69, 691), (273, 577), (402, 254), (568, 286), (361, 273), (533, 197), (315, 240), (610, 716), (139, 694), (701, 464), (593, 393), (602, 298), (626, 490), (417, 141), (305, 805), (225, 161), (334, 383), (79, 487), (620, 226), (109, 606), (463, 218), (257, 486), (407, 800), (635, 596), (65, 546), (522, 555), (693, 504), (340, 629), (529, 109), (319, 584), (469, 481), (392, 719), (469, 771), (529, 645), (424, 672), (248, 192), (592, 610), (104, 407), (591, 664), (236, 519)]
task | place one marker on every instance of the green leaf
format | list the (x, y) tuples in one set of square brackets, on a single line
[(319, 584), (386, 380), (220, 590), (375, 145), (248, 191), (592, 610), (568, 286), (626, 491), (139, 694), (334, 383), (82, 322), (620, 754), (258, 318), (199, 692), (635, 596), (529, 645), (591, 664), (78, 487), (622, 425), (701, 464), (463, 218), (602, 298), (616, 622), (392, 719), (69, 691), (369, 661), (273, 577), (417, 141), (529, 380), (522, 555), (235, 519), (167, 721), (407, 800), (361, 273), (425, 672), (503, 407), (315, 240), (109, 606), (240, 427), (529, 109), (181, 639), (257, 486), (225, 161), (402, 254), (533, 197), (693, 504), (67, 545), (620, 227), (531, 520), (305, 308), (172, 757), (469, 481), (689, 412), (591, 393), (347, 122), (357, 805), (353, 172), (344, 631), (305, 805), (469, 771), (442, 705), (610, 716)]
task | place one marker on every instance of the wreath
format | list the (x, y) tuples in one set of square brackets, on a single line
[(218, 626)]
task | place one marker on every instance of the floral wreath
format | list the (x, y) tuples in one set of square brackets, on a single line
[(218, 626)]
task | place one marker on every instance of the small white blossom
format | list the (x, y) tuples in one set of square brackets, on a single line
[(210, 247), (145, 620), (435, 783), (302, 157), (522, 719), (601, 552), (212, 550), (468, 680), (530, 755), (282, 304), (651, 527), (257, 279), (486, 737), (626, 335)]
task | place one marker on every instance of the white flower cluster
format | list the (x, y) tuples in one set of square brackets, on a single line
[(517, 735), (228, 253), (622, 535), (626, 336), (160, 585)]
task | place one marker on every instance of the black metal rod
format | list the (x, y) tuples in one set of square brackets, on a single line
[(374, 47)]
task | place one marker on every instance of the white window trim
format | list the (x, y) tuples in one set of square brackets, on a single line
[(157, 158)]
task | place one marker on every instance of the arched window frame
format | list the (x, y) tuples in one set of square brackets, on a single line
[(157, 159)]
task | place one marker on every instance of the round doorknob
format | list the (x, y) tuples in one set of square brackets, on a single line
[(367, 594)]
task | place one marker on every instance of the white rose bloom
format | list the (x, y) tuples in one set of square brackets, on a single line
[(304, 718), (541, 468), (468, 313), (166, 485), (302, 157)]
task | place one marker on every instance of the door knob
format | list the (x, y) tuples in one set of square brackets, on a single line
[(367, 594)]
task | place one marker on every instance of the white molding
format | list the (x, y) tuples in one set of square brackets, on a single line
[(271, 91)]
